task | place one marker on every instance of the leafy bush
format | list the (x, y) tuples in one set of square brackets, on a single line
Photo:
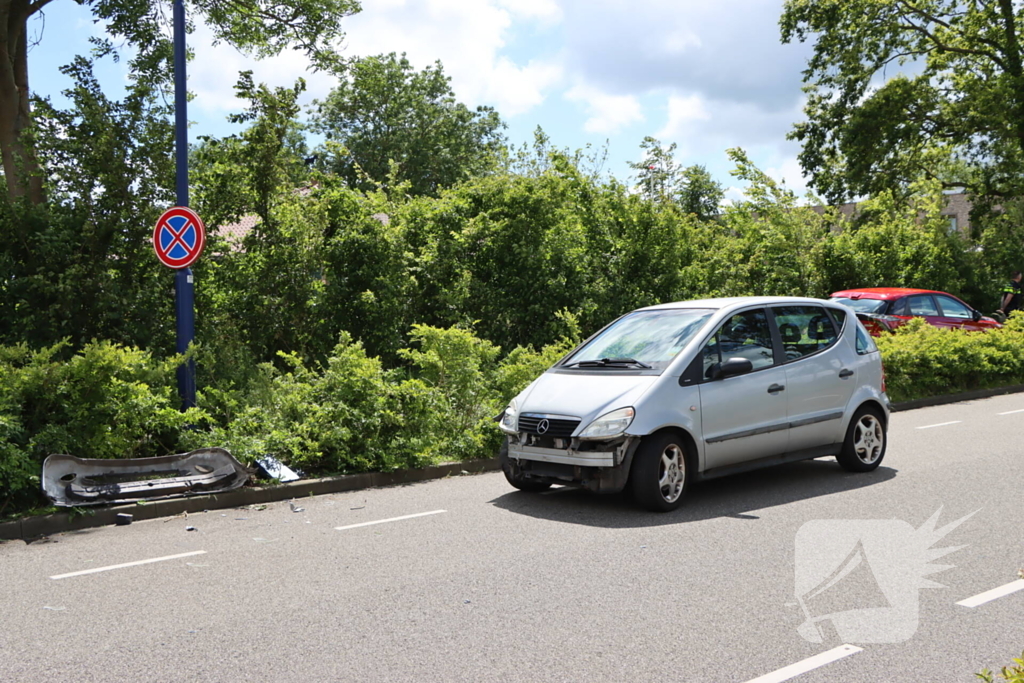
[(350, 414), (346, 415), (1010, 674), (106, 401), (922, 360)]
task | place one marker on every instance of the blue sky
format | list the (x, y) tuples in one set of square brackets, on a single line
[(704, 75)]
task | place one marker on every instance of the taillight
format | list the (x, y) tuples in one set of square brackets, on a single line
[(876, 323), (890, 322)]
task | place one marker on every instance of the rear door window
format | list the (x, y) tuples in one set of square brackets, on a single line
[(951, 308), (839, 316), (804, 330), (865, 344), (923, 304)]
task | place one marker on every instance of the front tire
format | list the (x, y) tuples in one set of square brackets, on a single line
[(514, 475), (661, 473), (865, 442)]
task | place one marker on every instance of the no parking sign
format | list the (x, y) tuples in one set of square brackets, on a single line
[(179, 237)]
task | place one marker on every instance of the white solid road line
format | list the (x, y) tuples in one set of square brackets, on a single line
[(809, 664), (393, 519), (942, 424), (989, 596), (128, 564), (1011, 412)]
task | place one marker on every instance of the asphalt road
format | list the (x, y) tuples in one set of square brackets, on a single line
[(498, 585)]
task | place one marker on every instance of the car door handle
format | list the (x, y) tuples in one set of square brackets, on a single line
[(776, 388), (845, 372)]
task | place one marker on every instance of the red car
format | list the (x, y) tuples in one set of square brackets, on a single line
[(886, 308)]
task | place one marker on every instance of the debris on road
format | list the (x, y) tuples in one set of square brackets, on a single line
[(190, 528), (123, 519), (69, 481), (295, 508), (275, 469)]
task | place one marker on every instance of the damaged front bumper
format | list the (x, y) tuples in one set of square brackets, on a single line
[(600, 466), (69, 481)]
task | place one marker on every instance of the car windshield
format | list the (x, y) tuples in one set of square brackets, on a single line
[(644, 340), (862, 305)]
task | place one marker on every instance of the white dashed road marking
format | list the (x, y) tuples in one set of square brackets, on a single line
[(989, 596), (393, 519), (942, 424), (1011, 412), (809, 664), (128, 564)]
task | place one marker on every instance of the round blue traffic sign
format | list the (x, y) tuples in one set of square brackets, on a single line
[(179, 237)]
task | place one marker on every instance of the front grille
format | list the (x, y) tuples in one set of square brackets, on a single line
[(557, 428)]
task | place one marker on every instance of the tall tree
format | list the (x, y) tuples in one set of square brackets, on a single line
[(699, 193), (661, 178), (658, 174), (905, 89), (394, 124), (259, 27)]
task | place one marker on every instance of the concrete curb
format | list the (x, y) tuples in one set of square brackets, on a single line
[(35, 527), (956, 398)]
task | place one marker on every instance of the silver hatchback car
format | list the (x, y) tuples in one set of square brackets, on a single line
[(669, 394)]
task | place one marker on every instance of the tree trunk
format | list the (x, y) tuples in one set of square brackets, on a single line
[(1013, 63), (21, 168)]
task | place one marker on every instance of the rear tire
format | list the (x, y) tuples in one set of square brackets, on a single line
[(515, 476), (661, 473), (865, 442)]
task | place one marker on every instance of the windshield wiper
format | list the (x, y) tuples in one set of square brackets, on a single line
[(607, 362)]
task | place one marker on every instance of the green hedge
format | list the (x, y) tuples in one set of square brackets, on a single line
[(350, 413), (105, 401), (921, 360)]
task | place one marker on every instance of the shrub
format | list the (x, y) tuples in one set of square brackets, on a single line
[(346, 415), (106, 401), (922, 360), (1010, 674)]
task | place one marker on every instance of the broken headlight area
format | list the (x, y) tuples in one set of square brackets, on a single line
[(69, 481)]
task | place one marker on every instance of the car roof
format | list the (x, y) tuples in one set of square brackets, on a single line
[(886, 293), (735, 301)]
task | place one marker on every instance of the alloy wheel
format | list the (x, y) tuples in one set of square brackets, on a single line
[(671, 473)]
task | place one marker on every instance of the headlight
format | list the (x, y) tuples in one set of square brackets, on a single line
[(609, 425), (508, 420)]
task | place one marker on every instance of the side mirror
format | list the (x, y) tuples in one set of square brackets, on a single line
[(976, 315), (730, 368)]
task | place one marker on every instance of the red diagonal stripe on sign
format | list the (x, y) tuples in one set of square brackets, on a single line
[(177, 237)]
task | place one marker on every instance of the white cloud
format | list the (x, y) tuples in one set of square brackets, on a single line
[(515, 90), (790, 173), (677, 42), (546, 11), (608, 114), (468, 38), (214, 71), (682, 112), (733, 195)]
